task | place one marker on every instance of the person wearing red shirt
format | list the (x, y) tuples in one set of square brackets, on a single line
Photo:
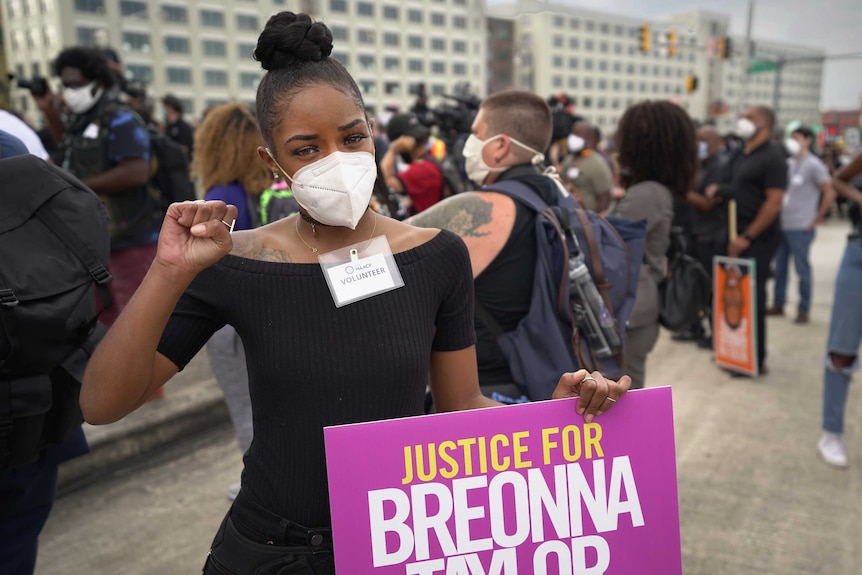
[(421, 180)]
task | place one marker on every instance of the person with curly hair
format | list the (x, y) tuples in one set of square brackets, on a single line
[(107, 147), (229, 170), (311, 362), (658, 161)]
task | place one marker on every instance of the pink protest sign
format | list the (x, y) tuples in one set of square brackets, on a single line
[(527, 489)]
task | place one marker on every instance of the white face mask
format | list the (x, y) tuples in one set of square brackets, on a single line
[(474, 164), (745, 128), (702, 151), (575, 143), (334, 190), (793, 147), (81, 99)]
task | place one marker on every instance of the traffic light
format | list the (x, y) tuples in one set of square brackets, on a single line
[(690, 83), (725, 48), (646, 38), (672, 40)]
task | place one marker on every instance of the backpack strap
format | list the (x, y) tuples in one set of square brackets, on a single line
[(85, 255), (518, 191)]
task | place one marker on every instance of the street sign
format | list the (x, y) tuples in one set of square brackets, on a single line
[(756, 65)]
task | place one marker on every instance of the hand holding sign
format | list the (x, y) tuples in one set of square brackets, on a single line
[(595, 393)]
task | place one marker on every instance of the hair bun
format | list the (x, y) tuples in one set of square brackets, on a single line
[(290, 38)]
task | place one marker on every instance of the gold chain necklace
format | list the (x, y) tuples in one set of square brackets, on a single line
[(314, 249)]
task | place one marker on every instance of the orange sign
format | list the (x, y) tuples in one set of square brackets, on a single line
[(734, 339)]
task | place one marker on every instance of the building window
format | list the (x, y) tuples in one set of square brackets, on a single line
[(414, 16), (588, 45), (136, 42), (438, 44), (139, 73), (245, 49), (247, 22), (643, 69), (603, 84), (416, 42), (366, 36), (438, 67), (573, 82), (603, 65), (573, 63), (367, 62), (459, 46), (605, 29), (90, 6), (559, 21), (392, 64), (249, 79), (215, 77), (391, 39), (459, 69), (558, 61), (588, 64), (213, 48), (391, 12), (338, 5), (618, 67), (176, 14), (342, 57), (212, 18), (438, 19), (574, 43), (176, 45), (590, 26), (214, 103), (438, 89), (85, 36), (339, 33), (588, 102), (557, 81), (616, 86), (416, 65), (630, 86), (365, 8), (459, 22), (368, 87), (178, 75), (603, 47), (574, 23), (133, 9), (558, 41), (588, 83), (392, 88)]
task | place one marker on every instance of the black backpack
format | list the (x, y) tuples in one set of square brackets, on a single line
[(452, 182), (54, 248), (685, 295), (169, 172)]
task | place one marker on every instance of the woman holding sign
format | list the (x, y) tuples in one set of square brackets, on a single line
[(345, 315)]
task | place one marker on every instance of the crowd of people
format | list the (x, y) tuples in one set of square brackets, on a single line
[(307, 173)]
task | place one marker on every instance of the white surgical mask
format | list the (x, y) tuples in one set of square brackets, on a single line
[(793, 147), (475, 166), (745, 128), (81, 99), (702, 151), (334, 190), (575, 143)]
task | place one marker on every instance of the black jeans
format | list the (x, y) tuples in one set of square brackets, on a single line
[(254, 541), (762, 251)]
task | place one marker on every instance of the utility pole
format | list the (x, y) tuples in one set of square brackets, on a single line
[(743, 99)]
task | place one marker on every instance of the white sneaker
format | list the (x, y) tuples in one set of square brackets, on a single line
[(233, 491), (832, 450)]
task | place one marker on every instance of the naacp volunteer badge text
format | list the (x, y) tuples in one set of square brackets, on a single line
[(361, 278)]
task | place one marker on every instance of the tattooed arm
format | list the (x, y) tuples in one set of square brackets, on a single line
[(484, 220)]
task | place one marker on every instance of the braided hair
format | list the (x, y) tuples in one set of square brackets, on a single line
[(295, 52), (657, 141)]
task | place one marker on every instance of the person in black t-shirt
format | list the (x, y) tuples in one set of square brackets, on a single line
[(176, 128), (311, 363), (758, 180)]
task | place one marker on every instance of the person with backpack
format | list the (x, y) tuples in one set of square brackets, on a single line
[(312, 362), (53, 250), (421, 179), (498, 223), (658, 161), (107, 146)]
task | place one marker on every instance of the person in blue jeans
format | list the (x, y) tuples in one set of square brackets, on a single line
[(807, 202), (845, 330)]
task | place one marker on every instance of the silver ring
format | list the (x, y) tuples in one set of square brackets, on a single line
[(611, 399), (589, 377)]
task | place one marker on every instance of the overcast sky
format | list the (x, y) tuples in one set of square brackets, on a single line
[(833, 25)]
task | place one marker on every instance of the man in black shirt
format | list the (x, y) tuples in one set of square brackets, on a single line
[(176, 128), (758, 176)]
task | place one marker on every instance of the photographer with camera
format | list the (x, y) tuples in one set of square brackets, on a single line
[(106, 145), (421, 179)]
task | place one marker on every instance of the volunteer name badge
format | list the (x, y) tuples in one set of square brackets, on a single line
[(360, 271)]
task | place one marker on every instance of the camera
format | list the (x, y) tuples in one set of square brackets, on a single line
[(37, 85)]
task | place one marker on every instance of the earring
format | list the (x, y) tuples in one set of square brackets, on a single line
[(275, 175)]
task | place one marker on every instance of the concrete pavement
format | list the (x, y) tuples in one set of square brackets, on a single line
[(754, 497)]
